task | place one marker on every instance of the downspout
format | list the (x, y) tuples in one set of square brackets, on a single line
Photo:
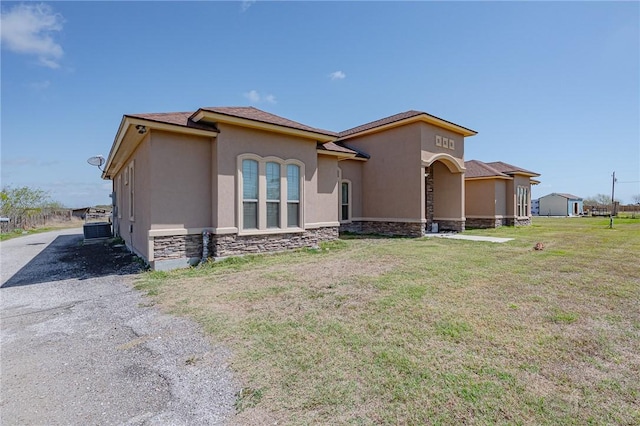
[(206, 237)]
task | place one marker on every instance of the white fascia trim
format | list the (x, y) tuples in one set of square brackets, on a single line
[(387, 219), (320, 225), (175, 231), (270, 231)]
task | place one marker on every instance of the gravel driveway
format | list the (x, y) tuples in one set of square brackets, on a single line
[(80, 346)]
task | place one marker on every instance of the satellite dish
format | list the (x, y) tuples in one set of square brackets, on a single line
[(97, 161)]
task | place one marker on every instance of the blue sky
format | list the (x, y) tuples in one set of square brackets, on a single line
[(552, 87)]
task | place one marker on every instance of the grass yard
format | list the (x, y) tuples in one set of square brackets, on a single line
[(430, 331)]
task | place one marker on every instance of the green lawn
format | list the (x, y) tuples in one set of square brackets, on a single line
[(430, 331)]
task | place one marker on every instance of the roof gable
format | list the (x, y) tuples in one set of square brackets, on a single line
[(255, 114), (510, 169), (402, 118), (478, 169)]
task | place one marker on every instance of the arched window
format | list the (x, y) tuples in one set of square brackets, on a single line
[(264, 183)]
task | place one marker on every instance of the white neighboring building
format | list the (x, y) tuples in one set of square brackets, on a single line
[(557, 204)]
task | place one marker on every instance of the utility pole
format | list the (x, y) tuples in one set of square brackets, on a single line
[(613, 203)]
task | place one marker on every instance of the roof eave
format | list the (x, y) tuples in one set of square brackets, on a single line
[(128, 121), (205, 115), (430, 119)]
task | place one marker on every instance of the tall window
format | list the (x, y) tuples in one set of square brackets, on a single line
[(131, 191), (273, 195), (522, 195), (293, 195), (345, 189), (250, 194)]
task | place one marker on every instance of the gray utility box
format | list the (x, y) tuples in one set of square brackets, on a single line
[(97, 230)]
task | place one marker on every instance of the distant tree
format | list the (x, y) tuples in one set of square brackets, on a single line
[(635, 199), (598, 200), (17, 201)]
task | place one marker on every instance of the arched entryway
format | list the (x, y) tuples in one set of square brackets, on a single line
[(444, 193)]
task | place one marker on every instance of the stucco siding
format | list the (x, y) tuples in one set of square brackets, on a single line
[(234, 141), (481, 197), (392, 179), (180, 181), (448, 193), (134, 232), (429, 135), (327, 195)]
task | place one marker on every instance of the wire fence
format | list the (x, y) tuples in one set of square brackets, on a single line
[(34, 220)]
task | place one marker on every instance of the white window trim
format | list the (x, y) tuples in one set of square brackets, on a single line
[(527, 202), (262, 195), (349, 201)]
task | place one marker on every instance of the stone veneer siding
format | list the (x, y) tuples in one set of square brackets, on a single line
[(406, 229), (233, 244), (498, 222), (177, 247), (483, 223), (428, 196), (190, 246), (518, 221)]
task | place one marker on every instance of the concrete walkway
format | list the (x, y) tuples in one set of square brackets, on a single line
[(470, 238)]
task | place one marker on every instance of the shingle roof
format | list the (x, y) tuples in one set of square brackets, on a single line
[(256, 114), (568, 196), (381, 122), (177, 118), (475, 169), (332, 146), (509, 168)]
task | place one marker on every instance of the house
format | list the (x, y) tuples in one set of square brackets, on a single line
[(535, 207), (558, 204), (497, 194), (241, 180)]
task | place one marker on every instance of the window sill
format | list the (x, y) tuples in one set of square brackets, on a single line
[(270, 231)]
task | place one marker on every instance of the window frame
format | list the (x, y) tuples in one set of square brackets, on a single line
[(256, 200), (262, 201), (349, 203), (297, 202), (522, 201), (132, 184)]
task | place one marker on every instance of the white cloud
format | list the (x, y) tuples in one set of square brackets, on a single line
[(29, 29), (337, 75), (255, 97), (246, 4)]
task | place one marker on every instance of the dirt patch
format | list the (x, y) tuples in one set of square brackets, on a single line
[(99, 259)]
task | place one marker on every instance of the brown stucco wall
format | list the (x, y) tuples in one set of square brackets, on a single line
[(448, 193), (326, 209), (180, 181), (393, 178), (233, 141), (428, 134), (136, 240), (480, 197)]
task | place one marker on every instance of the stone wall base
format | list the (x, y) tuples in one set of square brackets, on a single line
[(404, 229), (177, 247), (497, 222), (480, 223), (526, 221), (177, 251), (233, 245)]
